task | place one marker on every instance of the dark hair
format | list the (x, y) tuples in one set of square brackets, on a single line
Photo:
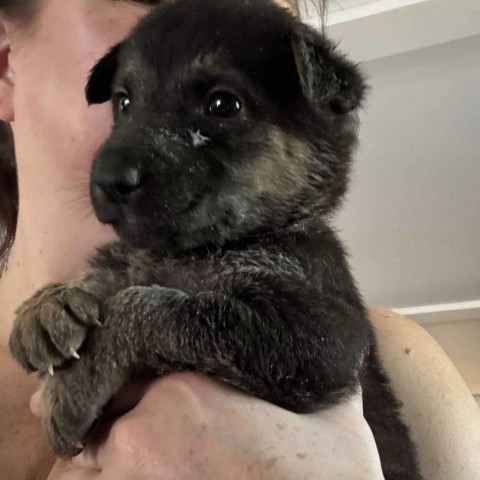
[(8, 191), (8, 172), (16, 8), (8, 175)]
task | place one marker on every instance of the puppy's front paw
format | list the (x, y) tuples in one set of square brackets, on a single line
[(51, 327), (74, 398), (66, 419)]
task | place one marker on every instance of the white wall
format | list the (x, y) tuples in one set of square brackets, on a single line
[(412, 219)]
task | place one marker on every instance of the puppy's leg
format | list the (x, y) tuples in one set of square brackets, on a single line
[(276, 339), (51, 327)]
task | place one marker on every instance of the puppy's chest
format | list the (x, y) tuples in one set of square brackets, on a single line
[(191, 275), (206, 272)]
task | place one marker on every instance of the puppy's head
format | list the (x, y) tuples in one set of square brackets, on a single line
[(230, 117)]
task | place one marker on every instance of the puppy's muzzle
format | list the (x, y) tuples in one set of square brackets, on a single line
[(115, 179)]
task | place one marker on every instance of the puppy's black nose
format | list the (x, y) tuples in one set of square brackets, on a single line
[(116, 176), (119, 183)]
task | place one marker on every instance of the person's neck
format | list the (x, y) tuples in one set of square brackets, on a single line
[(53, 248)]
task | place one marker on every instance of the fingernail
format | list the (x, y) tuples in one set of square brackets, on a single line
[(36, 403)]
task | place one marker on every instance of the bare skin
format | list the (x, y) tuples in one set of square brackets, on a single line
[(43, 73)]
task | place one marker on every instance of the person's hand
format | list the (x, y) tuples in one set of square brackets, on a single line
[(186, 426)]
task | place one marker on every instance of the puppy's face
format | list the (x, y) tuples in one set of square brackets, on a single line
[(229, 118)]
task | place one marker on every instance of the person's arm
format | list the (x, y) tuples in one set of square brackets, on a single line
[(437, 405), (190, 427)]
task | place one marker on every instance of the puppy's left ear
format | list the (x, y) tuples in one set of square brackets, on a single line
[(327, 78), (99, 86)]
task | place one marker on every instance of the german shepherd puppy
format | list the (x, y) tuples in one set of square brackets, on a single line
[(234, 128)]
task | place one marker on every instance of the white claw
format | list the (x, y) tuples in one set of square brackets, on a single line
[(74, 354), (50, 370)]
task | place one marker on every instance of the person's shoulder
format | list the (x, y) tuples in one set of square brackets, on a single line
[(437, 405), (404, 338)]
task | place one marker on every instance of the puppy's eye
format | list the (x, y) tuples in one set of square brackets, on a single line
[(224, 104), (123, 103)]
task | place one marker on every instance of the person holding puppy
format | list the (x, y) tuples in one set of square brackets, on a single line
[(183, 426)]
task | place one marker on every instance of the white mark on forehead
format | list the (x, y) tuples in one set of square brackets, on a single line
[(198, 139)]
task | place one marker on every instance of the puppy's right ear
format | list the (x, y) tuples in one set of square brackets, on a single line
[(99, 86), (327, 78)]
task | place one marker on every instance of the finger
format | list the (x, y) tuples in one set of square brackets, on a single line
[(81, 474), (137, 400), (88, 459), (94, 454), (68, 471), (36, 403), (158, 398)]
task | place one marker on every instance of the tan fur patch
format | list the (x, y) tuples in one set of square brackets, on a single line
[(281, 171)]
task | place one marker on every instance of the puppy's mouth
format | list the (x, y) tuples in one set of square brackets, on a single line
[(145, 224), (107, 211)]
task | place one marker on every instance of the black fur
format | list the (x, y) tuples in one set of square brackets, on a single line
[(226, 263)]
